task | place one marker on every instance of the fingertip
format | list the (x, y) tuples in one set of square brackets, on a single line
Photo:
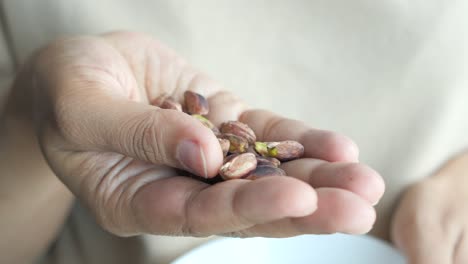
[(365, 182), (276, 197), (340, 211), (198, 151), (345, 149), (339, 148), (301, 202), (199, 158), (211, 156), (368, 217), (358, 218), (351, 149), (378, 190)]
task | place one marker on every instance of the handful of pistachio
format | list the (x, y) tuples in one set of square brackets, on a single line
[(245, 157)]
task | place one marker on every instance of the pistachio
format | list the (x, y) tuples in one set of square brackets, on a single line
[(268, 161), (286, 150), (195, 103), (238, 144), (245, 158), (229, 157), (265, 171), (261, 148), (224, 143), (237, 166), (166, 101), (207, 123), (239, 129)]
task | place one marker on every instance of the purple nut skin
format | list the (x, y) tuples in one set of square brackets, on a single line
[(238, 144), (224, 143), (166, 101), (268, 161), (284, 150), (265, 171), (196, 104), (239, 129)]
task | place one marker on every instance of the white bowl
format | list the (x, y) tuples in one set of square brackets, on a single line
[(313, 249)]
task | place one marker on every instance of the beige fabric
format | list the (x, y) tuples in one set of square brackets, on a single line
[(7, 64), (391, 74)]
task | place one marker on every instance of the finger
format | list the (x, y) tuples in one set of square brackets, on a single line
[(225, 106), (270, 127), (182, 206), (355, 177), (145, 132), (318, 144), (94, 93), (158, 68), (338, 211)]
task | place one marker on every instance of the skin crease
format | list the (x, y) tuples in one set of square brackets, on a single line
[(86, 99)]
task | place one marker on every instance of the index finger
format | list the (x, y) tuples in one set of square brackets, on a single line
[(319, 144)]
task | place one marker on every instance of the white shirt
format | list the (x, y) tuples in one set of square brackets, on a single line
[(390, 74)]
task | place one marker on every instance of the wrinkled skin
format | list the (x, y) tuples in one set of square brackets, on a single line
[(117, 153)]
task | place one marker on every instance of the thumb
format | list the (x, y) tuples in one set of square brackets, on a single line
[(142, 131)]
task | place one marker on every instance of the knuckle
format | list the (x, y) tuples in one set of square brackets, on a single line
[(351, 171), (192, 216), (272, 126), (332, 140), (337, 147), (66, 117), (145, 139)]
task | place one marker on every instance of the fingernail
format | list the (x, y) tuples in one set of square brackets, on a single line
[(191, 156)]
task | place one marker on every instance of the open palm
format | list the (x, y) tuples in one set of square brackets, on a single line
[(118, 154)]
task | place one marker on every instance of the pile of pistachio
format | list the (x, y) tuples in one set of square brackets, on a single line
[(245, 157)]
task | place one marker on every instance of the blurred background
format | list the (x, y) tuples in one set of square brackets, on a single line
[(389, 73)]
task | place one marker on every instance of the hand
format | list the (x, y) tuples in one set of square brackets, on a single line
[(431, 223), (117, 153)]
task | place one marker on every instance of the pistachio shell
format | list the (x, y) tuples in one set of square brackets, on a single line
[(265, 171), (268, 161), (166, 101), (195, 103), (239, 129), (283, 150), (237, 144), (238, 166), (207, 123), (224, 143)]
